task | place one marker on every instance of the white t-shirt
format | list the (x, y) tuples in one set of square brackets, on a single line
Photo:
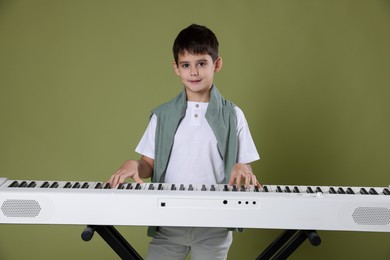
[(195, 158)]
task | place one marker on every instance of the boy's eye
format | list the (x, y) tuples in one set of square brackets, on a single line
[(202, 64), (185, 65)]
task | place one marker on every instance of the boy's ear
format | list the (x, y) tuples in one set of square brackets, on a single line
[(175, 68), (218, 64)]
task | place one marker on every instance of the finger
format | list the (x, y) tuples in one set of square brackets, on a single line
[(231, 181), (124, 175), (137, 179), (238, 181), (122, 179), (116, 178), (258, 184), (248, 179), (254, 180), (111, 180)]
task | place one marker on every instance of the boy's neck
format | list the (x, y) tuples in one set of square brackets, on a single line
[(198, 96)]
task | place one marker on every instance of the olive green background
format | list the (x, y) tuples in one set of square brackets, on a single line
[(78, 80)]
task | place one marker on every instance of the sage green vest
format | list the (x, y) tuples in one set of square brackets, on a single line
[(222, 118)]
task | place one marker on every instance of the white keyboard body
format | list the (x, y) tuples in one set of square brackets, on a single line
[(274, 209)]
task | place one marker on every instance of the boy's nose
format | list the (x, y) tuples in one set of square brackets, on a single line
[(194, 72)]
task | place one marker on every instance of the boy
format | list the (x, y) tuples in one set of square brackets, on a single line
[(196, 138)]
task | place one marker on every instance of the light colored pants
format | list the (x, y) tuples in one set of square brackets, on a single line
[(174, 243)]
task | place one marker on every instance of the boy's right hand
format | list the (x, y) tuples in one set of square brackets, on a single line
[(128, 170)]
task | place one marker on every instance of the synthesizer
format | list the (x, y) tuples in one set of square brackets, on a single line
[(160, 204)]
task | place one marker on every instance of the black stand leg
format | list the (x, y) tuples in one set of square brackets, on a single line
[(276, 245), (114, 239), (287, 243)]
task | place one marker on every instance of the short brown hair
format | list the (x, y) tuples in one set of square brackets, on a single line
[(196, 39)]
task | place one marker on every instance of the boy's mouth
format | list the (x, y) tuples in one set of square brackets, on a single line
[(195, 81)]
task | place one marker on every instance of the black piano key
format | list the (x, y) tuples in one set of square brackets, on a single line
[(363, 191), (225, 188), (107, 186), (67, 185), (278, 189), (372, 191), (203, 187), (340, 191), (45, 184), (151, 186), (265, 188), (14, 184), (98, 185), (32, 184), (138, 186), (22, 184), (234, 188), (182, 187), (296, 190), (319, 190), (332, 190), (386, 191), (287, 189), (242, 188), (54, 185), (309, 190), (76, 185), (121, 186), (212, 188), (350, 191), (190, 187), (85, 185), (129, 186), (160, 187), (257, 189), (173, 187)]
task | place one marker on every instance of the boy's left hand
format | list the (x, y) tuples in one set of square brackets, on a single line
[(242, 171)]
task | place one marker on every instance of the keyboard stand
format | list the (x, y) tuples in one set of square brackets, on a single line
[(287, 242), (281, 248), (114, 239)]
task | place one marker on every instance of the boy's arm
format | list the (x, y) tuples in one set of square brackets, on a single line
[(242, 171), (135, 169)]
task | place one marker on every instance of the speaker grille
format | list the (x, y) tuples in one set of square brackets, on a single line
[(371, 216), (20, 208)]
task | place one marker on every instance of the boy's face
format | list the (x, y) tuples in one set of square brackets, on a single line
[(196, 72)]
